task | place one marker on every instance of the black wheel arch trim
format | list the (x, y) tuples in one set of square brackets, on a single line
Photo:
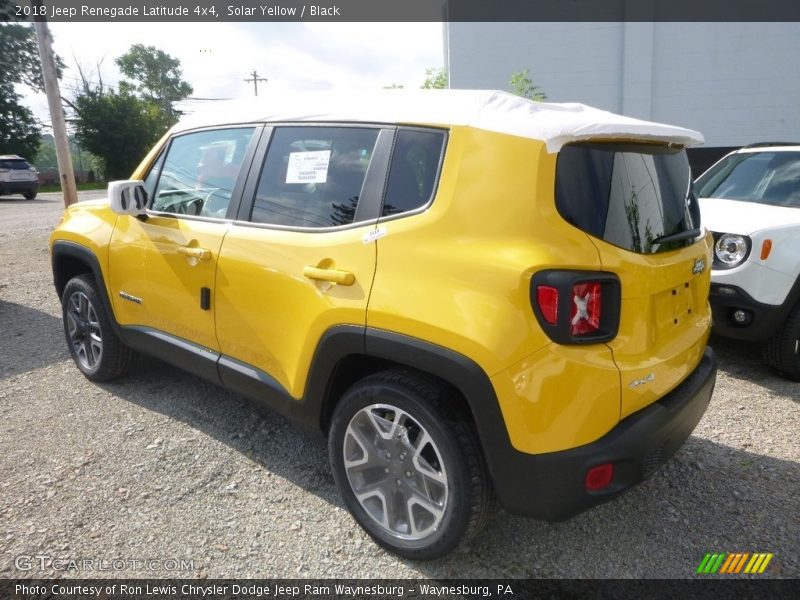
[(468, 378), (66, 248)]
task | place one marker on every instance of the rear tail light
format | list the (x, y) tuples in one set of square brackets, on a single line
[(587, 301), (547, 298), (577, 307)]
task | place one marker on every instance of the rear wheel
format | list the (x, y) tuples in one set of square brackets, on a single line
[(782, 352), (407, 465), (93, 345), (29, 195)]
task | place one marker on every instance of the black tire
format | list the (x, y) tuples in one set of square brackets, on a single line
[(87, 325), (29, 195), (782, 352), (467, 499)]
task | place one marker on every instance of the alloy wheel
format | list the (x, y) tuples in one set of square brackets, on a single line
[(83, 328), (396, 471)]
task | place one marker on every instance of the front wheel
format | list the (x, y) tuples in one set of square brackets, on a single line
[(408, 466), (93, 345), (29, 195), (782, 352)]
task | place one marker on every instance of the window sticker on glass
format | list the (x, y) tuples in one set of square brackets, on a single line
[(308, 167)]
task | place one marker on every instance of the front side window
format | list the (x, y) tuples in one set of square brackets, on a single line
[(313, 176), (414, 169), (765, 177), (151, 178), (199, 172), (635, 196)]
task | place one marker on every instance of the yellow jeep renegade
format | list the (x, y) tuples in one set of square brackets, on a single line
[(473, 296)]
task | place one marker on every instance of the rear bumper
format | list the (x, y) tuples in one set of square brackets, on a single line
[(551, 486), (18, 187)]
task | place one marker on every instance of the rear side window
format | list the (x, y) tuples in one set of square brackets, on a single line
[(313, 176), (763, 177), (635, 196), (414, 169)]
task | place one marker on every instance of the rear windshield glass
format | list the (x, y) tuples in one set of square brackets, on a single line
[(17, 165), (636, 196), (763, 177)]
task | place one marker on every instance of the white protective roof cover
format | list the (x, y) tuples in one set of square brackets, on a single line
[(553, 123)]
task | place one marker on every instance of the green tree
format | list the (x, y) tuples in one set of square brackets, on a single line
[(19, 132), (521, 84), (116, 127), (83, 161), (435, 79), (155, 76), (19, 64)]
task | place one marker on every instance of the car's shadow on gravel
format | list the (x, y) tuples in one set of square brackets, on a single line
[(710, 497), (31, 339), (263, 436), (743, 360)]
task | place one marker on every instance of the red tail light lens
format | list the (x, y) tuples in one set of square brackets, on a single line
[(585, 309), (547, 299), (599, 477)]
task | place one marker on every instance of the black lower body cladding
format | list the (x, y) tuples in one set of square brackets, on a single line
[(552, 486)]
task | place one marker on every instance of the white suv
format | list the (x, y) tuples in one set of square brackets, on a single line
[(750, 200), (18, 177)]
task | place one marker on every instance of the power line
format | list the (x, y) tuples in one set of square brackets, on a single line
[(255, 79)]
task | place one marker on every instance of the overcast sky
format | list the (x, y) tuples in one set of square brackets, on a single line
[(216, 57)]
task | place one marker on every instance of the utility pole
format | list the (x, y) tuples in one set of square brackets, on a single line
[(255, 79), (50, 75)]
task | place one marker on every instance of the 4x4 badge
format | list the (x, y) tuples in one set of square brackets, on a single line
[(634, 384), (699, 266)]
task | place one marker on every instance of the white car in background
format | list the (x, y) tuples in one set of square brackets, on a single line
[(750, 201), (18, 177)]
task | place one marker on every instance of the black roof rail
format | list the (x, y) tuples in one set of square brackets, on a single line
[(764, 144)]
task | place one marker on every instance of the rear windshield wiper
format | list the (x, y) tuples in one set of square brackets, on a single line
[(676, 237)]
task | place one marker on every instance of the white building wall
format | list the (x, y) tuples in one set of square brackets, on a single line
[(738, 83)]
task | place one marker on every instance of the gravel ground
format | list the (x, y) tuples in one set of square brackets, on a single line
[(162, 466)]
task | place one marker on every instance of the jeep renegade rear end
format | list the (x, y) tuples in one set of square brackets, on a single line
[(471, 295)]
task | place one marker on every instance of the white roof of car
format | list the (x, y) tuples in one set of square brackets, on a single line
[(555, 124)]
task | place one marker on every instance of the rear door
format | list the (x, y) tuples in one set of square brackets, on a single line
[(637, 204), (300, 258)]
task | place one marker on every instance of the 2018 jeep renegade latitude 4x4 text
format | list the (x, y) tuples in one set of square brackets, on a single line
[(473, 296)]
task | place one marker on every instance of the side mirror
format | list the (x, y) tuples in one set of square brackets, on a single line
[(128, 197)]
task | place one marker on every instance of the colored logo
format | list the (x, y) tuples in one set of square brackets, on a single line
[(734, 563)]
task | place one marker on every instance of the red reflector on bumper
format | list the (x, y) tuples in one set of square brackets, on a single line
[(599, 477)]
